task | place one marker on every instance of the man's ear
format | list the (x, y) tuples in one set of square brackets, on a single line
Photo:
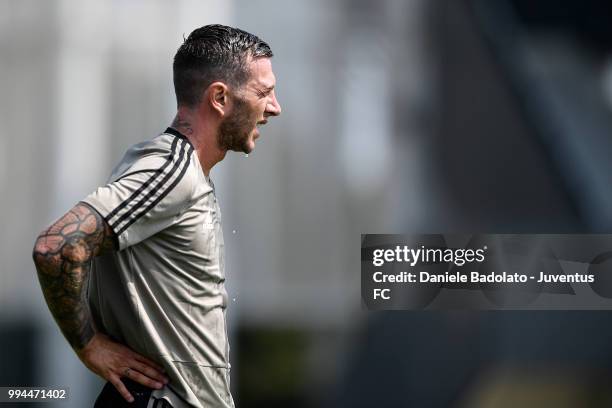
[(218, 97)]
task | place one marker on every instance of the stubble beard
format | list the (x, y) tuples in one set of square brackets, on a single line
[(234, 130)]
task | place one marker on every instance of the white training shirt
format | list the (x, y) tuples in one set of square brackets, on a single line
[(163, 294)]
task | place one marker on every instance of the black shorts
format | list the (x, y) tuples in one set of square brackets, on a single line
[(110, 397)]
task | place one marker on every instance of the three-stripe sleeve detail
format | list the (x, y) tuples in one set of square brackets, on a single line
[(154, 189)]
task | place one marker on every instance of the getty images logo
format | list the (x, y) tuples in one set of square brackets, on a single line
[(423, 255), (483, 271)]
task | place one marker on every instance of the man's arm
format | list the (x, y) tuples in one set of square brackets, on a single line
[(63, 255)]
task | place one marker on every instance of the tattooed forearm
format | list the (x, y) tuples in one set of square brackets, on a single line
[(63, 255)]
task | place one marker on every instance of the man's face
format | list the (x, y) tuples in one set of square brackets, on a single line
[(252, 105)]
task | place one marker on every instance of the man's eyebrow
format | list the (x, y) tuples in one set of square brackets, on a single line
[(267, 88)]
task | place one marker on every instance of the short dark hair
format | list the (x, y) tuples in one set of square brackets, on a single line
[(214, 53)]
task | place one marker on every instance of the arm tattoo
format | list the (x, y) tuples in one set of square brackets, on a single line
[(63, 255)]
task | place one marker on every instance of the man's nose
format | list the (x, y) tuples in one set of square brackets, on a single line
[(273, 108)]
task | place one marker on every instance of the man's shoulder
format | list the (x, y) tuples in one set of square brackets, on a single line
[(154, 182), (158, 169), (165, 153)]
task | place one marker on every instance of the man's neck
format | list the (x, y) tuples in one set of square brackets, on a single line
[(202, 135)]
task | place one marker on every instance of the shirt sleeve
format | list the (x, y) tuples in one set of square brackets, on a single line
[(141, 203)]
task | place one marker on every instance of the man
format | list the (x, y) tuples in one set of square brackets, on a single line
[(152, 320)]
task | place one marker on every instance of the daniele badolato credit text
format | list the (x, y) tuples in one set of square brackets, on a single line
[(501, 271)]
